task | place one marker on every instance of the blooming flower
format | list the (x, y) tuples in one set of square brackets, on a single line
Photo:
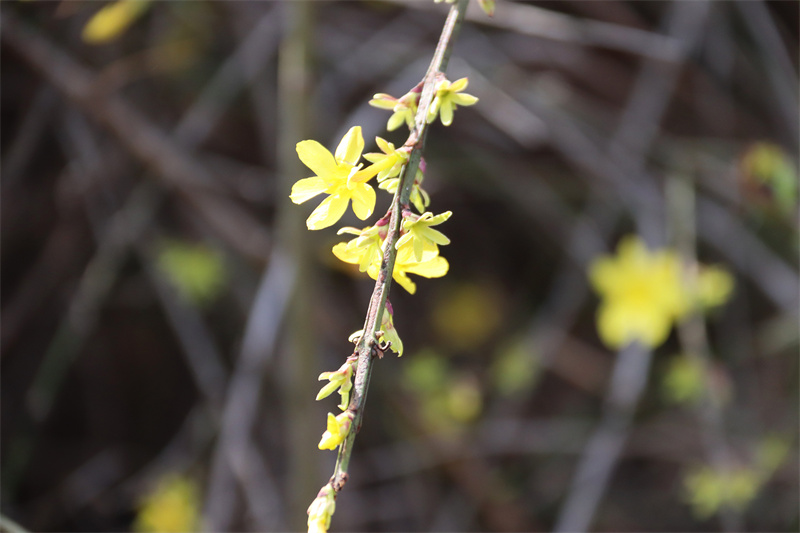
[(643, 293), (364, 249), (321, 510), (448, 95), (390, 162), (419, 234), (432, 265), (340, 176), (337, 430), (419, 196), (405, 108)]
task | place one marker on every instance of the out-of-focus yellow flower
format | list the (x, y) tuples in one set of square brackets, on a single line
[(714, 286), (340, 176), (642, 294), (112, 20), (337, 430), (708, 490), (197, 271), (321, 510), (448, 96), (172, 507)]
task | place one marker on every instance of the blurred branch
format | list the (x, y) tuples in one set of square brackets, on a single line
[(775, 59), (9, 526), (29, 134), (629, 146), (151, 146), (694, 341), (129, 222), (536, 21), (605, 445), (233, 449)]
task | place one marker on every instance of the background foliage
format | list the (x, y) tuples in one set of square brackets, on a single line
[(165, 314)]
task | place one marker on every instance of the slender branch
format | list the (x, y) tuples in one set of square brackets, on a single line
[(367, 347)]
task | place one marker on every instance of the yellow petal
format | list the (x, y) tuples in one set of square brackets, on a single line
[(435, 268), (328, 212), (459, 85), (349, 150), (307, 188), (405, 281), (464, 99), (446, 112), (316, 157), (363, 200), (345, 254)]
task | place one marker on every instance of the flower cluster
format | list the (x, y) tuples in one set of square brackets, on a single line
[(644, 292), (344, 178)]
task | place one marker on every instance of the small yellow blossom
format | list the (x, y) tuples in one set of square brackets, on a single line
[(337, 430), (419, 197), (364, 249), (112, 20), (340, 176), (388, 332), (321, 510), (448, 96), (419, 234), (390, 162), (432, 265), (340, 379), (404, 109), (174, 506)]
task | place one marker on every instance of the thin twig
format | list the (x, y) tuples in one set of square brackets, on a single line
[(367, 346)]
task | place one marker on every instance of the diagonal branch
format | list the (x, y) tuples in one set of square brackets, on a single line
[(367, 347)]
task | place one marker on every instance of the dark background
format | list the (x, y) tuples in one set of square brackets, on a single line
[(118, 369)]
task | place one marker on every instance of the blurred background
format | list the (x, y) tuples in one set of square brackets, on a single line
[(165, 312)]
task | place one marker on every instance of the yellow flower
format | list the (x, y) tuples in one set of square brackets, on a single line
[(321, 510), (337, 430), (340, 379), (432, 265), (112, 20), (404, 108), (388, 332), (642, 294), (363, 250), (390, 162), (340, 176), (419, 234), (419, 197), (448, 95), (172, 507)]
